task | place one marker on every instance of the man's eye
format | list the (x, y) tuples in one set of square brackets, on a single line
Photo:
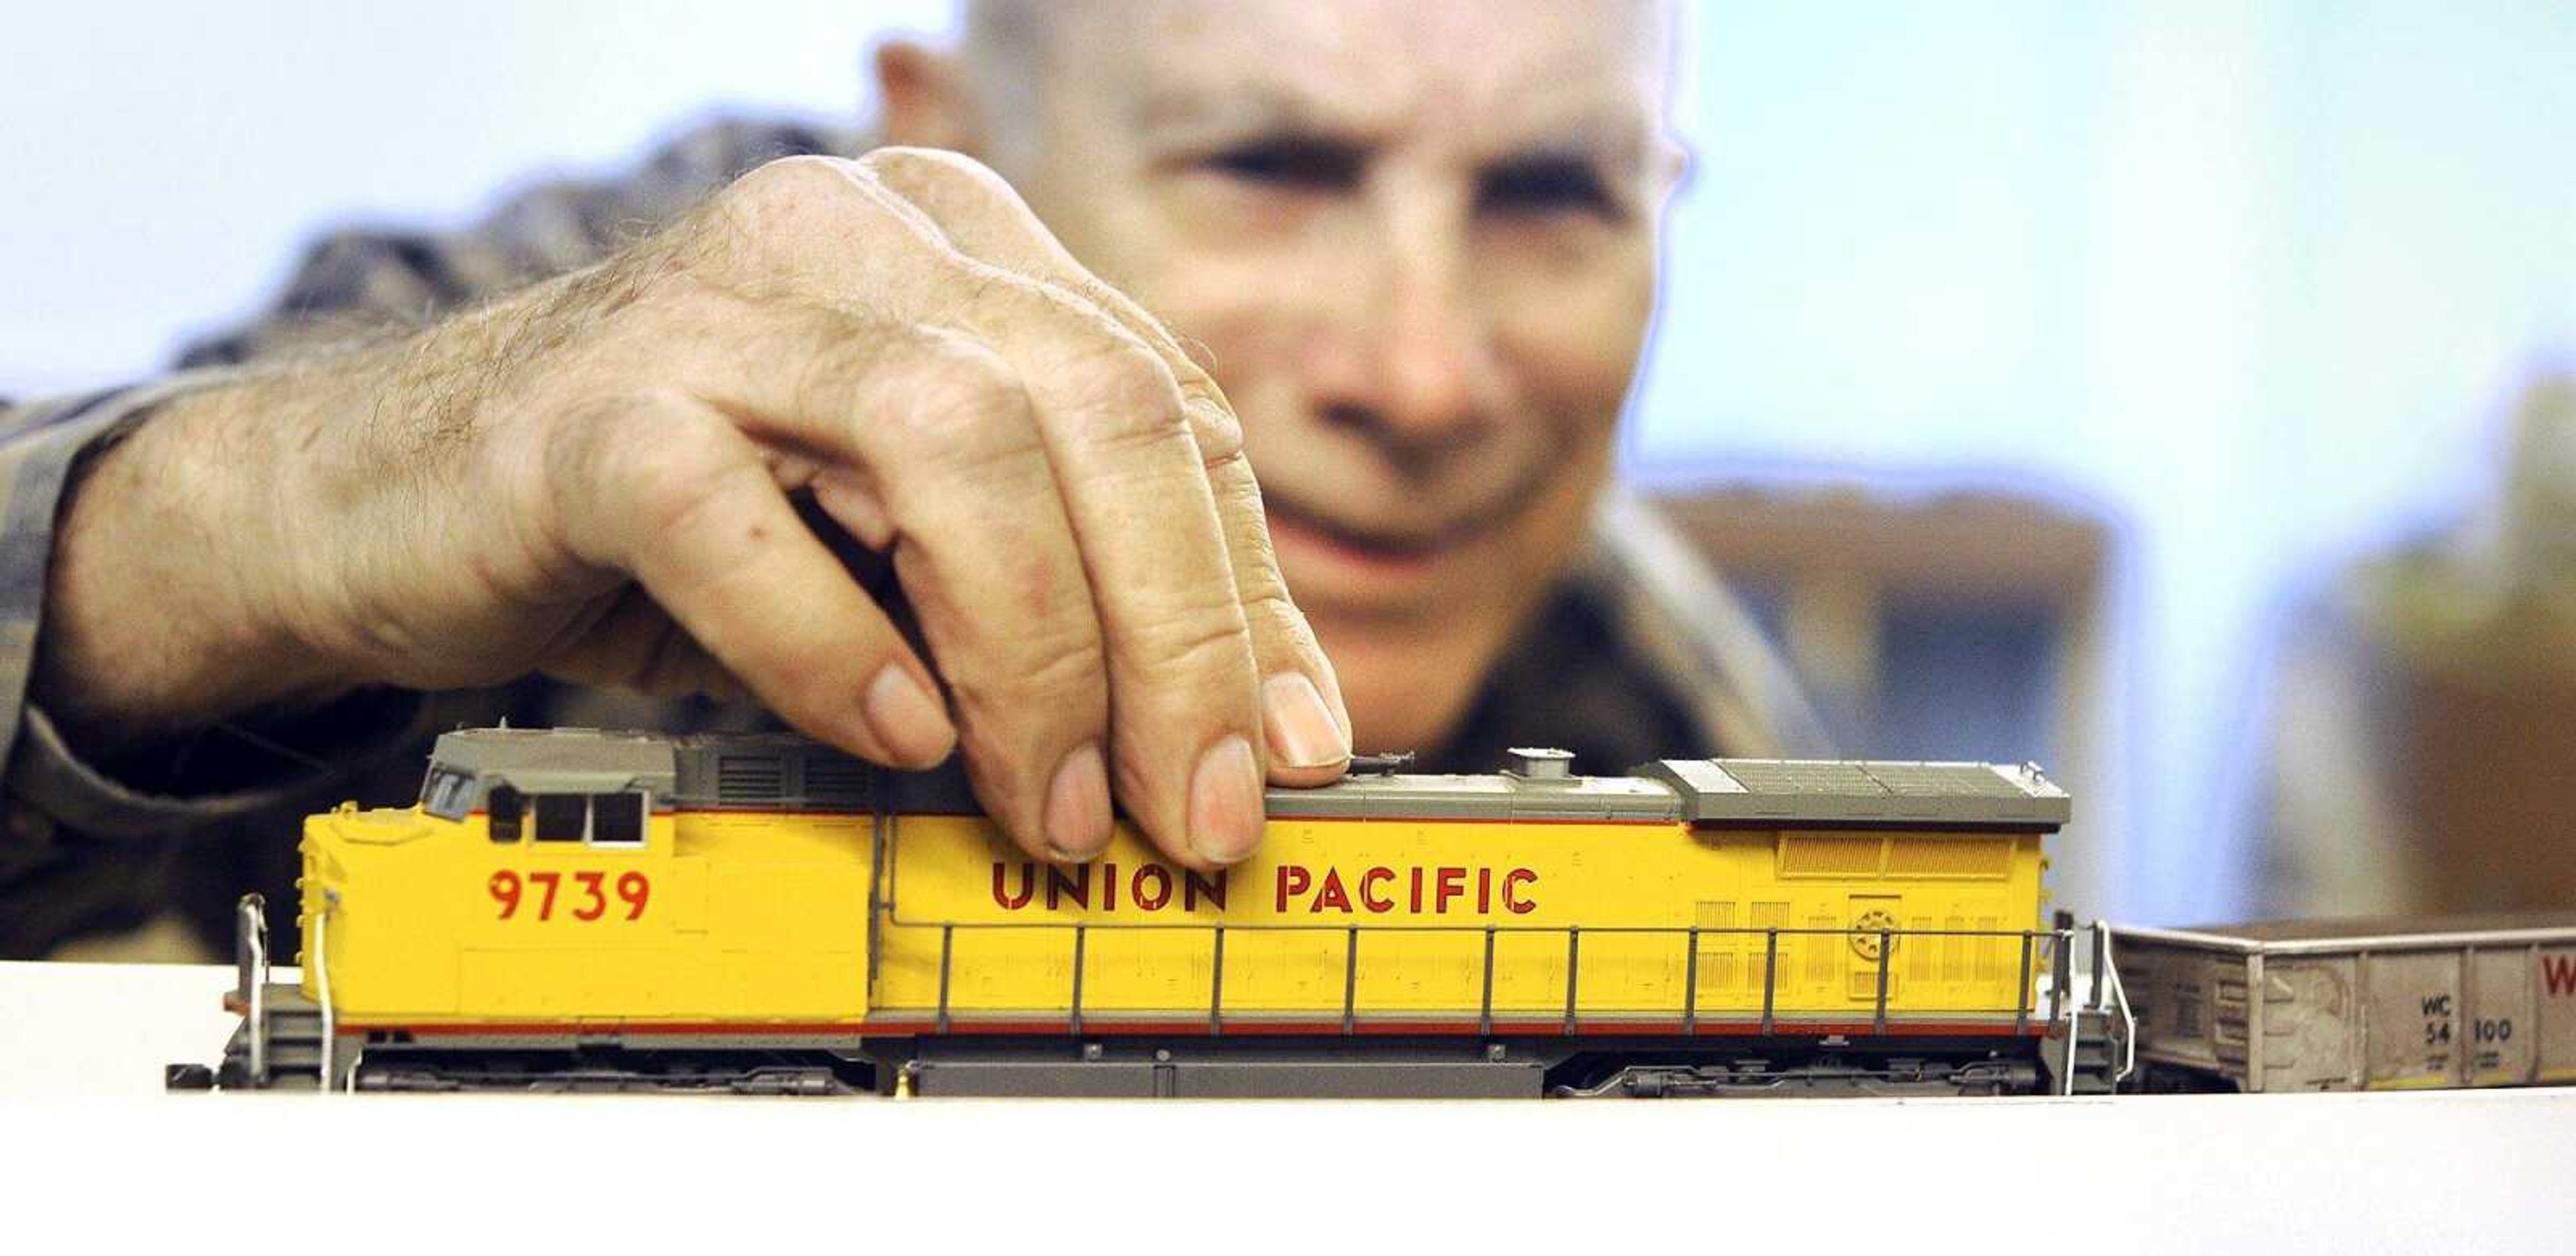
[(1539, 187), (1304, 165)]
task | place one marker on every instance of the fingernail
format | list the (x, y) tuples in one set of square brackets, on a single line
[(908, 718), (1300, 727), (1077, 805), (1225, 803)]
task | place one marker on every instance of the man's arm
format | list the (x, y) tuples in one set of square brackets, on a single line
[(591, 478)]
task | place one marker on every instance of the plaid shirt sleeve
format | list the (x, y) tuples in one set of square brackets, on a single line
[(61, 810)]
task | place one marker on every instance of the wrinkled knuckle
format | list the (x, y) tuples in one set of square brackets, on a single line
[(1045, 685), (663, 473), (903, 159), (1281, 636), (791, 201), (1268, 606), (1194, 643), (591, 440), (1061, 670), (1220, 437), (908, 164), (665, 503), (1133, 397), (960, 403), (792, 180)]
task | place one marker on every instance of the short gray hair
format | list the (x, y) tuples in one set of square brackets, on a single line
[(1004, 48)]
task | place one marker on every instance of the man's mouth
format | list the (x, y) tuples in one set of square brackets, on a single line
[(1333, 563), (1377, 544), (1332, 558)]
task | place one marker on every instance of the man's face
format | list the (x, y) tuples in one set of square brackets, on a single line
[(1418, 242)]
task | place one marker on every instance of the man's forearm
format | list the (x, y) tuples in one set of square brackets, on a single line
[(155, 623)]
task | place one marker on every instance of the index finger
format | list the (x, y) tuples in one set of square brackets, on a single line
[(1184, 689)]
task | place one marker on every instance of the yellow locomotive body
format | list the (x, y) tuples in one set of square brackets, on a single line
[(1399, 920), (714, 918), (571, 887)]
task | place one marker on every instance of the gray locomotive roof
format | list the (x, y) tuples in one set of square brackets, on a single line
[(1827, 792), (1496, 797), (781, 770), (701, 770), (561, 760)]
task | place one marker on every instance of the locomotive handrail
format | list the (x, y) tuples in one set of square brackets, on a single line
[(250, 957), (1878, 1015), (1350, 979), (2104, 967), (1573, 968), (2074, 1040), (1690, 983), (1237, 926), (1770, 974), (1080, 931), (1485, 1016), (947, 948), (1216, 984), (1692, 937), (321, 966), (2021, 987)]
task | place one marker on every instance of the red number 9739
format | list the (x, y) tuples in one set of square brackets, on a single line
[(590, 890)]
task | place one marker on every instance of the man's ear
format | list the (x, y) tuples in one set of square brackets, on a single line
[(1673, 164), (924, 98)]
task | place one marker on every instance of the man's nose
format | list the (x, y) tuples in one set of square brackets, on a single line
[(1424, 363), (1430, 356)]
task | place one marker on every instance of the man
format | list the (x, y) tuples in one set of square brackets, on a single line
[(1415, 245)]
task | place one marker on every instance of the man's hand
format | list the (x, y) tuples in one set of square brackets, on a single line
[(592, 478)]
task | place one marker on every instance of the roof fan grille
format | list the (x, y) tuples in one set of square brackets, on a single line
[(745, 780)]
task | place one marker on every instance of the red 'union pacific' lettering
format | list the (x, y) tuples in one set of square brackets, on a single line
[(1146, 888), (1008, 901), (1328, 891), (1154, 898), (1109, 889)]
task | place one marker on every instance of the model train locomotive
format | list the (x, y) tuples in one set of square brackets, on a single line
[(577, 909)]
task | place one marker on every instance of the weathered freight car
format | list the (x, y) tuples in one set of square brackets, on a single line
[(582, 909), (2355, 1004)]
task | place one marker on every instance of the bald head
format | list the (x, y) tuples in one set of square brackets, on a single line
[(1010, 53)]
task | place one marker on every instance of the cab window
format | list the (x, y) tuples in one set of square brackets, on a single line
[(505, 806), (449, 793), (560, 816), (617, 819)]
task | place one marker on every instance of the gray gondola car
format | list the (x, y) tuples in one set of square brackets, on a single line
[(2412, 1004)]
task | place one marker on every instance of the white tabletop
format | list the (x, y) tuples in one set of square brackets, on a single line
[(88, 1137)]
